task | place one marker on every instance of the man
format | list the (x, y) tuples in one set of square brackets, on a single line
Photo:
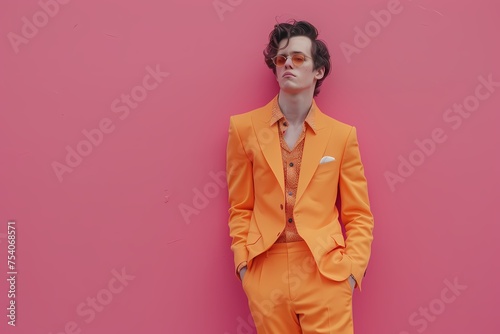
[(287, 164)]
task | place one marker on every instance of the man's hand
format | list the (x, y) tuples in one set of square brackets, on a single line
[(352, 282), (242, 272)]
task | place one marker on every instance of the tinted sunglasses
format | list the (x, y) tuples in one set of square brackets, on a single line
[(297, 59)]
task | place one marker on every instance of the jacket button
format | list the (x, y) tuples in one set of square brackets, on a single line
[(290, 220)]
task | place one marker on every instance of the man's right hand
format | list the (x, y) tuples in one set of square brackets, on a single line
[(242, 272)]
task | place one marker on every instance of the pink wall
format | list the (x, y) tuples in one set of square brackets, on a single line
[(101, 244)]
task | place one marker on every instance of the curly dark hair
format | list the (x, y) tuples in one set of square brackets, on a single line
[(319, 50)]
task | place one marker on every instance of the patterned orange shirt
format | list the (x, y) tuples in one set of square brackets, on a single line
[(292, 158)]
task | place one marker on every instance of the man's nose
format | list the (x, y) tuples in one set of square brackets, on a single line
[(288, 62)]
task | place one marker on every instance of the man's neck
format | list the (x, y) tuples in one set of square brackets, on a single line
[(295, 106)]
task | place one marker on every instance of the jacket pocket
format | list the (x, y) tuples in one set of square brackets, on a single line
[(339, 239), (252, 238)]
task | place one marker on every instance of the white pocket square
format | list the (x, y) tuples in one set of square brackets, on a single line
[(326, 159)]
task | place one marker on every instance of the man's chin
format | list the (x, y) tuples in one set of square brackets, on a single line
[(291, 90)]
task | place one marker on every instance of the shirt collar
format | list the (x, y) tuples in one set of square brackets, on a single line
[(277, 114)]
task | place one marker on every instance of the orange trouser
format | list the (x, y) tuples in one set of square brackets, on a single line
[(287, 294)]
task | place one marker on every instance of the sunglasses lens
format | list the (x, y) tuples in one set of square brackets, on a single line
[(298, 59), (279, 61)]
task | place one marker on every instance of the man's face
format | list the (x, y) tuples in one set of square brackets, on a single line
[(296, 79)]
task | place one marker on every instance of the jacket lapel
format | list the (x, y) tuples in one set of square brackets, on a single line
[(314, 149)]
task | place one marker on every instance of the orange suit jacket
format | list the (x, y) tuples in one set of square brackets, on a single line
[(257, 197)]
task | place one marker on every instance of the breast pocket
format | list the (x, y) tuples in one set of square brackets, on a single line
[(327, 167)]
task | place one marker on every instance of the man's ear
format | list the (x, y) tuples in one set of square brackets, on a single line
[(320, 72)]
